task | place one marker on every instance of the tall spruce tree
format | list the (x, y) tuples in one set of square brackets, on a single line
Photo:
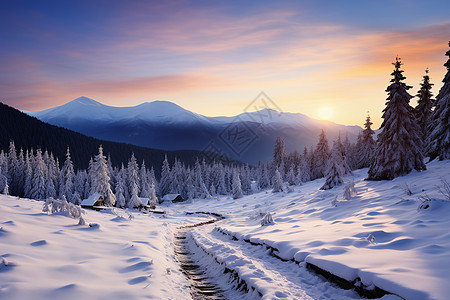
[(165, 182), (279, 152), (67, 178), (236, 185), (320, 157), (99, 176), (439, 139), (335, 168), (424, 107), (366, 145), (399, 145)]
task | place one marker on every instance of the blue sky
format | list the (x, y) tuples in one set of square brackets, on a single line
[(327, 59)]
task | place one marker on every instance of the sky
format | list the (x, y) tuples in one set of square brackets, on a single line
[(326, 59)]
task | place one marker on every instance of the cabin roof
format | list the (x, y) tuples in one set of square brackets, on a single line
[(144, 201), (170, 197), (91, 200)]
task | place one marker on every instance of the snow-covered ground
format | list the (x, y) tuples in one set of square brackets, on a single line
[(51, 257), (380, 237)]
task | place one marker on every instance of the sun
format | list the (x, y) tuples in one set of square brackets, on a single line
[(325, 113)]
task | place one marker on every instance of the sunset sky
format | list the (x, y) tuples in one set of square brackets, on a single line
[(326, 59)]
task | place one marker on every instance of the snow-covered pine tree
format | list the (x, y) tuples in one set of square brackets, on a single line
[(438, 142), (279, 152), (366, 146), (424, 108), (152, 197), (133, 183), (304, 168), (165, 182), (98, 174), (277, 182), (335, 168), (4, 187), (79, 182), (343, 151), (200, 187), (13, 170), (236, 185), (121, 186), (246, 183), (290, 177), (320, 157), (28, 175), (221, 186), (66, 178), (38, 181), (399, 145)]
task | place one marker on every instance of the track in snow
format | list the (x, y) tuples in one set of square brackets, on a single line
[(261, 271)]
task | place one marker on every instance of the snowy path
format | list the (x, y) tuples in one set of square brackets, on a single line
[(268, 275)]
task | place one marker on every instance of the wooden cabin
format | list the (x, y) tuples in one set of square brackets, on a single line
[(94, 200), (172, 198)]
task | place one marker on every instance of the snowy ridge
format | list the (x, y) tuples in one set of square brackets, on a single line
[(84, 108)]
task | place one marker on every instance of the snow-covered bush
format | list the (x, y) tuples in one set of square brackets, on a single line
[(267, 219), (53, 206), (349, 191)]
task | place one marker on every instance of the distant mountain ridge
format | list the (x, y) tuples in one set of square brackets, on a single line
[(165, 125), (30, 133)]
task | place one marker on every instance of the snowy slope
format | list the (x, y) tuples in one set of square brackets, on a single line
[(383, 237), (51, 257), (379, 238)]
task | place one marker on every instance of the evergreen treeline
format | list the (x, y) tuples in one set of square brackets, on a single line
[(30, 133)]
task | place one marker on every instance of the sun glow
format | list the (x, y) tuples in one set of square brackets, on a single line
[(325, 113)]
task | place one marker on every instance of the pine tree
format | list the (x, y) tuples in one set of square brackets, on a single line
[(165, 182), (13, 170), (246, 183), (335, 168), (399, 145), (236, 189), (424, 106), (320, 157), (38, 181), (291, 178), (28, 175), (66, 178), (438, 142), (200, 187), (277, 182), (279, 152), (98, 174), (152, 197), (366, 145), (120, 188)]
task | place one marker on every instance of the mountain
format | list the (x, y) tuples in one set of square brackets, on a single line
[(248, 137), (30, 133)]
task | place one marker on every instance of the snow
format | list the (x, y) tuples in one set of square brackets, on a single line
[(382, 237), (51, 257), (409, 254)]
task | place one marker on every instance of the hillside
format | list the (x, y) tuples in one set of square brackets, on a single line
[(29, 132)]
